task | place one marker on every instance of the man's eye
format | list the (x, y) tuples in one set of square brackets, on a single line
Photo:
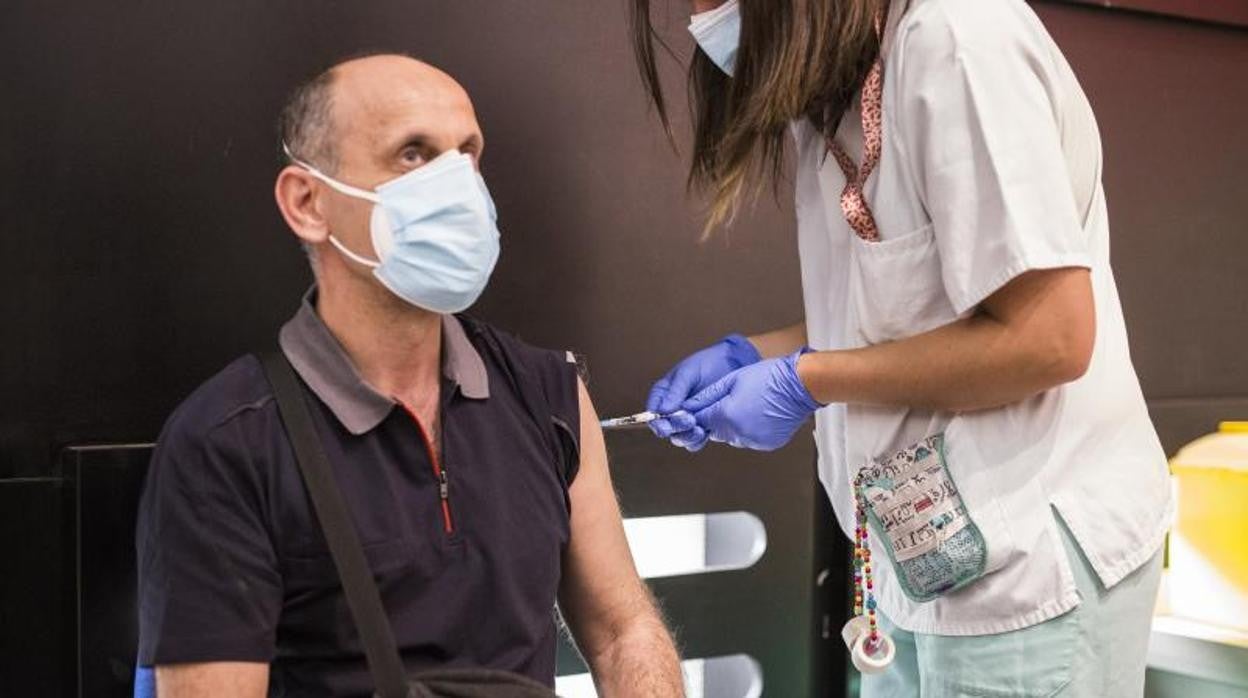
[(411, 155)]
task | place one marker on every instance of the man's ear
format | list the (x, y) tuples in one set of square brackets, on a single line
[(300, 203)]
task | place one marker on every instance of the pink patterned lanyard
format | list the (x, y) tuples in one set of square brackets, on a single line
[(870, 649), (853, 202)]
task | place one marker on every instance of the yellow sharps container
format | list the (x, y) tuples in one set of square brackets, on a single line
[(1209, 545)]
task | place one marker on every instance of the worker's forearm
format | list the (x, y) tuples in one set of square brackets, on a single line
[(781, 342), (641, 661), (974, 363)]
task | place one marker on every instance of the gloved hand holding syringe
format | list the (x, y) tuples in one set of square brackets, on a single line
[(727, 392), (663, 412)]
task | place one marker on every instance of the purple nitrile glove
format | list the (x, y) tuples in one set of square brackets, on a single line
[(687, 378), (757, 407)]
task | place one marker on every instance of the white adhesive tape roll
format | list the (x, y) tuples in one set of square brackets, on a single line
[(856, 627), (873, 663)]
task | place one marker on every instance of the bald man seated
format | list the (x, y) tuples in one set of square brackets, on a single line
[(472, 464)]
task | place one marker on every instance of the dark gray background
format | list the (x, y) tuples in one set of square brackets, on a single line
[(144, 249)]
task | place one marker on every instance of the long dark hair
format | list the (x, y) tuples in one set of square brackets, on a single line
[(797, 59)]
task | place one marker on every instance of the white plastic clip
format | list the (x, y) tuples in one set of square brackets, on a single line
[(876, 661), (855, 634)]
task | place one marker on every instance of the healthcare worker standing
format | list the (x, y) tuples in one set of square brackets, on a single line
[(982, 434)]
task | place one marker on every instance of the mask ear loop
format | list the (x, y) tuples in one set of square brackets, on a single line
[(335, 184), (342, 188), (370, 263)]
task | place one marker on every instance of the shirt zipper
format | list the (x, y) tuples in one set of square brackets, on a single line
[(439, 472)]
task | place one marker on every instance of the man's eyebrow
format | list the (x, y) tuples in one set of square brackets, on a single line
[(410, 138), (422, 139)]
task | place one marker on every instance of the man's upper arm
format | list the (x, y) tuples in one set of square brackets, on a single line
[(601, 593), (212, 679), (210, 588)]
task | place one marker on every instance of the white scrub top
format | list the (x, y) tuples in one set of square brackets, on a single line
[(991, 166)]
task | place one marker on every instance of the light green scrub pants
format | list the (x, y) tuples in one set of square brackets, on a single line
[(1096, 650)]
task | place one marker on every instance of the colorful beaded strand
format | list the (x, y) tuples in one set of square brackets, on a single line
[(864, 584)]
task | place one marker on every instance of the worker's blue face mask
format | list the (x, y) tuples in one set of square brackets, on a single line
[(434, 229), (718, 33)]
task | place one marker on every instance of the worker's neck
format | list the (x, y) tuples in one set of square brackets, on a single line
[(396, 347)]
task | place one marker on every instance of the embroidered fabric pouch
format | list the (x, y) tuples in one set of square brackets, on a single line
[(913, 505)]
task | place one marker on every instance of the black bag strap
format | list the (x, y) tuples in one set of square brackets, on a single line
[(363, 598)]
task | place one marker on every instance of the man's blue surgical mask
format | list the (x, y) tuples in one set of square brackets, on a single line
[(718, 32), (435, 231)]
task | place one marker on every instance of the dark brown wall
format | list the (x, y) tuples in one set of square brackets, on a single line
[(1233, 12), (1171, 98)]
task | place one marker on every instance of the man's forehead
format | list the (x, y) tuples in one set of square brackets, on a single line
[(382, 92)]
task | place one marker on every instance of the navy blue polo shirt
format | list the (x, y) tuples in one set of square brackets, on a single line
[(465, 544)]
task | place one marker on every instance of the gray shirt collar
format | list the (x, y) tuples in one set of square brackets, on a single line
[(324, 365)]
